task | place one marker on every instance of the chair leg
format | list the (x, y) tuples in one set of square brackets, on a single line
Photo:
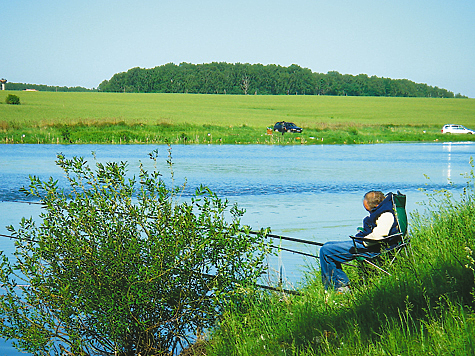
[(377, 267)]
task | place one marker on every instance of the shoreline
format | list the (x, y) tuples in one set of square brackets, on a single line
[(219, 135)]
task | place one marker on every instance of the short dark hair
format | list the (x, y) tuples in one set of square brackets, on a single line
[(373, 198)]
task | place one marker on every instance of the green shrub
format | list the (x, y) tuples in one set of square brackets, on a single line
[(121, 265), (12, 99)]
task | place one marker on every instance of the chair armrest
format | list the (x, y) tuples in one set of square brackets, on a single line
[(380, 240)]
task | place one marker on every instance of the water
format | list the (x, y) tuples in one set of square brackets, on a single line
[(309, 192)]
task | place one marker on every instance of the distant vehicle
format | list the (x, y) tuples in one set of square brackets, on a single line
[(456, 129), (283, 126)]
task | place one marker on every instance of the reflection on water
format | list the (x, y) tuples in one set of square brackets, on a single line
[(308, 192)]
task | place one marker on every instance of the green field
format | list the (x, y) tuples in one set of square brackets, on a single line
[(50, 117)]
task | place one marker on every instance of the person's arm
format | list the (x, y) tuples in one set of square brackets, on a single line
[(383, 226)]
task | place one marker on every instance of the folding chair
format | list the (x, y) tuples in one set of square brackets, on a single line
[(391, 245)]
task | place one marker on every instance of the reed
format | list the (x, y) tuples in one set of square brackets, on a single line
[(424, 307)]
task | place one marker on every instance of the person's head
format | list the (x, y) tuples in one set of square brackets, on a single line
[(372, 199)]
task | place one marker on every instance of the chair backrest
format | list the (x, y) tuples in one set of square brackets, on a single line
[(399, 204)]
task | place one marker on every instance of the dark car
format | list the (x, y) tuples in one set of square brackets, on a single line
[(284, 126)]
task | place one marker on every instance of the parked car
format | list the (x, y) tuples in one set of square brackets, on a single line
[(284, 126), (456, 129)]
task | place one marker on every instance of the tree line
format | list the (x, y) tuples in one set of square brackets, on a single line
[(238, 78), (43, 87)]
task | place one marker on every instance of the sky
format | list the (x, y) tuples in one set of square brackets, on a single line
[(82, 43)]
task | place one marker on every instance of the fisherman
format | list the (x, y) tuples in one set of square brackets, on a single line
[(380, 223)]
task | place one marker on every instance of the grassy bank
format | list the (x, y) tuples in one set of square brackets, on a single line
[(48, 117), (424, 308)]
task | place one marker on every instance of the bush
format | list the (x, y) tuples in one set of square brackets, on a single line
[(120, 266), (12, 99)]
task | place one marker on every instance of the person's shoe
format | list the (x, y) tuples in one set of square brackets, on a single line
[(343, 290)]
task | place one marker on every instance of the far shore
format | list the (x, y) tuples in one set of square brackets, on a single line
[(115, 118)]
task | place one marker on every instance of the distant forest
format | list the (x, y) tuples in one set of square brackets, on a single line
[(42, 87), (226, 78)]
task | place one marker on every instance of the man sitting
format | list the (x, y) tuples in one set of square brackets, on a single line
[(380, 223)]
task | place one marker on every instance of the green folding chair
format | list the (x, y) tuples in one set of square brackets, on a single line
[(391, 246)]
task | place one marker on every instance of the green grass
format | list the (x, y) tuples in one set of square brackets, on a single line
[(50, 117), (424, 308)]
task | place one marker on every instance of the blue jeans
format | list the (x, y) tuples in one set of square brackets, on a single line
[(332, 254)]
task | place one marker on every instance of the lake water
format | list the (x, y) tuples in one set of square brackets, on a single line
[(308, 192)]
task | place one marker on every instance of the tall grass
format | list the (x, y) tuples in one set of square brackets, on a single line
[(48, 117), (424, 308)]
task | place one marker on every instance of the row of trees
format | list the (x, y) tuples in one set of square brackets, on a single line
[(227, 78), (43, 87)]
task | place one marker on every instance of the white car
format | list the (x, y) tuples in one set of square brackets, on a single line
[(456, 129)]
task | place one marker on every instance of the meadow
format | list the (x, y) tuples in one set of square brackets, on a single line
[(56, 117)]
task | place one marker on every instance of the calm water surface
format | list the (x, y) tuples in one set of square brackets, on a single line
[(308, 192)]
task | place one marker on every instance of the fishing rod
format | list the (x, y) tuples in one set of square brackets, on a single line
[(18, 238), (252, 232), (276, 289), (288, 291), (282, 290), (293, 251), (22, 202), (289, 238)]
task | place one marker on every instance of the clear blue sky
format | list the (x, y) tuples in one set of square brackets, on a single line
[(69, 43)]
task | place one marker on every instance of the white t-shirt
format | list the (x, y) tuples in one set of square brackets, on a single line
[(383, 225)]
